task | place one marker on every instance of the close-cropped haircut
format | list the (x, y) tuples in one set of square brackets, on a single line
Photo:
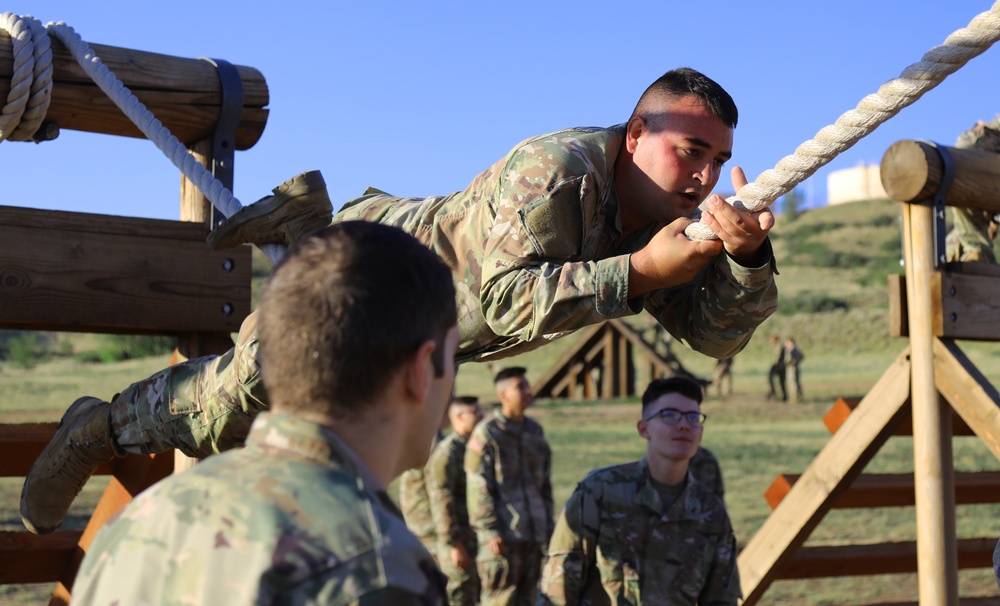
[(658, 388), (685, 81), (344, 310)]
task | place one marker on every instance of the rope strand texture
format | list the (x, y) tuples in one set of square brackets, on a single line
[(871, 112), (23, 115)]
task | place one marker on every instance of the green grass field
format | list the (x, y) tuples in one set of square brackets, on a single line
[(754, 439), (833, 263)]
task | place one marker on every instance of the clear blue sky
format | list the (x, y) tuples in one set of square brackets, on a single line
[(416, 98)]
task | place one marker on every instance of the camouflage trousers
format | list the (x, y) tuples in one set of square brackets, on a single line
[(511, 579), (202, 407), (463, 585)]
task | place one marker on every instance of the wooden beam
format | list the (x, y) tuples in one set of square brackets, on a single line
[(896, 490), (912, 171), (831, 472), (963, 306), (184, 94), (81, 272), (969, 392), (31, 558), (881, 558), (842, 408), (20, 445), (933, 469)]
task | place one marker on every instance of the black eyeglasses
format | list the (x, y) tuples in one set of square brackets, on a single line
[(672, 416)]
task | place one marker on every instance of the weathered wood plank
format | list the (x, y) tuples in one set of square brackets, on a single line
[(30, 558), (881, 558), (912, 171), (842, 408), (184, 94), (66, 275), (963, 305), (896, 490), (969, 392)]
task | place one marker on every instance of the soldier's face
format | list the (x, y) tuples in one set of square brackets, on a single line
[(465, 418), (676, 442), (677, 157), (516, 393)]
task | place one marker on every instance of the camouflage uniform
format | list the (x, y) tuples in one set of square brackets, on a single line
[(973, 231), (509, 467), (416, 507), (293, 518), (415, 503), (533, 244), (704, 467), (616, 543), (445, 475)]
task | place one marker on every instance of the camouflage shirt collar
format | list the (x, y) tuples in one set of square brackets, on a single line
[(309, 440), (648, 496)]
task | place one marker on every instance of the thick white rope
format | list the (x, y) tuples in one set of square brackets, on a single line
[(210, 187), (871, 112)]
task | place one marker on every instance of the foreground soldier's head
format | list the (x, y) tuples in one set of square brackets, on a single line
[(342, 350)]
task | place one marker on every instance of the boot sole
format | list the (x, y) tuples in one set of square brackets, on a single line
[(81, 405), (226, 235)]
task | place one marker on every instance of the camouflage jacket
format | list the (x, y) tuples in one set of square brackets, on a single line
[(415, 502), (704, 467), (508, 469), (294, 517), (615, 544), (445, 475), (533, 246)]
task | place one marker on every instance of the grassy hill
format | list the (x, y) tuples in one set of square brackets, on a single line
[(833, 264)]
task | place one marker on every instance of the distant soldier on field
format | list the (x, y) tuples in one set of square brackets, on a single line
[(794, 357), (776, 375), (508, 464), (722, 376), (446, 486)]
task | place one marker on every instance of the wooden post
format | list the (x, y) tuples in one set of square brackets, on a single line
[(937, 564)]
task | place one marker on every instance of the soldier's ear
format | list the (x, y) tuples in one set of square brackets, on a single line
[(643, 428)]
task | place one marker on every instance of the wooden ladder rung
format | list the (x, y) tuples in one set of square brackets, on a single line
[(878, 558), (20, 445), (896, 489), (843, 407), (29, 558)]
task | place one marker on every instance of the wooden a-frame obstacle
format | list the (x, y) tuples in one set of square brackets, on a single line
[(930, 381), (67, 271)]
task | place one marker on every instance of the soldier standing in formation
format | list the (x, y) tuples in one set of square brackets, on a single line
[(508, 464), (445, 477), (647, 531)]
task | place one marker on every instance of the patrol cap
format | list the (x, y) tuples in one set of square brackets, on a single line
[(507, 373)]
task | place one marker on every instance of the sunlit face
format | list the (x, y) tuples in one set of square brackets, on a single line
[(675, 442), (515, 393), (464, 418), (677, 159)]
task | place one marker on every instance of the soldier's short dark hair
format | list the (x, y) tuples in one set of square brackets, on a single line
[(332, 327), (683, 81), (508, 373), (658, 388), (464, 401)]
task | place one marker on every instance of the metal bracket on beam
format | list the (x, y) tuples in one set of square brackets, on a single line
[(940, 229), (224, 138)]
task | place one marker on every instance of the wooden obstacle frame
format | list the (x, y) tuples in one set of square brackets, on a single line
[(932, 392), (79, 272)]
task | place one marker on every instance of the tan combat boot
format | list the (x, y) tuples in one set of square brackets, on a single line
[(298, 206), (82, 442)]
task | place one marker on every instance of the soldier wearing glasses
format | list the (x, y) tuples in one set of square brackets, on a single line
[(647, 531)]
